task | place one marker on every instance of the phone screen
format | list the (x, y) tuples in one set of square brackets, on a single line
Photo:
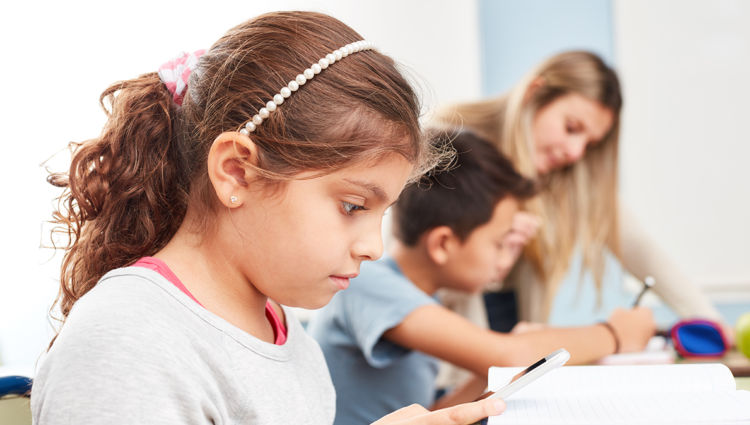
[(517, 377), (546, 364)]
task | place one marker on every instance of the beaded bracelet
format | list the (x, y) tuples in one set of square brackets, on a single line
[(301, 79)]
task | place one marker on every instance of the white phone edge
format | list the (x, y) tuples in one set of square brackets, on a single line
[(553, 361)]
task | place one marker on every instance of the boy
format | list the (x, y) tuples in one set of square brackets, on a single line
[(383, 337)]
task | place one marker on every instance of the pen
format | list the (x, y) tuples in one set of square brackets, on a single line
[(648, 282)]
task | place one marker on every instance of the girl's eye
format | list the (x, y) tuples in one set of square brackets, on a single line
[(351, 208)]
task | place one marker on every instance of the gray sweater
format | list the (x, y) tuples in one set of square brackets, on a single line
[(135, 349)]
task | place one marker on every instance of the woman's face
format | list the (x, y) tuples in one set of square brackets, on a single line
[(565, 127)]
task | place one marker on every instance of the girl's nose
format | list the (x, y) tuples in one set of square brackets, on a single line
[(369, 247)]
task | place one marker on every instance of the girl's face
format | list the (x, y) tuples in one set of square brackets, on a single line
[(303, 244), (565, 127)]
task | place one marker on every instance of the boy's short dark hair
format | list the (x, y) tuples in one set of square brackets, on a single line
[(462, 197)]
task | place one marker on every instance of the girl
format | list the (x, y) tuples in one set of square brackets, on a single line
[(561, 122), (233, 177)]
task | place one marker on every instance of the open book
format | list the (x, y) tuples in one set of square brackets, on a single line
[(653, 394)]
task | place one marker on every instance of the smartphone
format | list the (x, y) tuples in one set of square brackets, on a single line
[(527, 376)]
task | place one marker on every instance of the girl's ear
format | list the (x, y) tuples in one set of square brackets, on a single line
[(535, 85), (439, 243), (225, 166)]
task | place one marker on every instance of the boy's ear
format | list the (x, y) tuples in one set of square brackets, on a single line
[(440, 243), (226, 159)]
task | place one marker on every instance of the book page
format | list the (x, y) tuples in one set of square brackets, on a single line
[(699, 407), (595, 380)]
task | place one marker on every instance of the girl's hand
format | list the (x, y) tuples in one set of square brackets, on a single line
[(463, 414), (634, 327)]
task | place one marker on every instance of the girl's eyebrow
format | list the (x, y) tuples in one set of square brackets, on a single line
[(373, 188)]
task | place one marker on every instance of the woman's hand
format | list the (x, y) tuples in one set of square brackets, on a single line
[(463, 414), (633, 327)]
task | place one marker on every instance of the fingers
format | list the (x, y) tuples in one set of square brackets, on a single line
[(401, 414), (514, 243), (633, 327), (523, 229), (526, 223), (463, 414), (516, 239)]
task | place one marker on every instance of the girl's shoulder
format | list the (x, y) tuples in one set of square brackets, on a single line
[(132, 291), (130, 302), (135, 352)]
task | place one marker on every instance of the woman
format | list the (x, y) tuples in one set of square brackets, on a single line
[(561, 124)]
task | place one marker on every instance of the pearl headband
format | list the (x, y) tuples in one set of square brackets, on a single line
[(301, 79)]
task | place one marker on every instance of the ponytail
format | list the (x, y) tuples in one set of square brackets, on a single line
[(124, 194)]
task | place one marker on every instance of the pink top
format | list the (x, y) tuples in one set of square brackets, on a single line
[(279, 331)]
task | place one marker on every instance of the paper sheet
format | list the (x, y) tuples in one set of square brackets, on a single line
[(653, 394), (659, 408)]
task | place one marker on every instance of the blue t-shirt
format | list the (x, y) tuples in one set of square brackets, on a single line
[(372, 376)]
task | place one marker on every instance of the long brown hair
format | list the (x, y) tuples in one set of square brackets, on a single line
[(128, 190), (578, 203)]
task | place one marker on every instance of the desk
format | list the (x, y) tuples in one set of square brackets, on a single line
[(734, 360), (15, 411)]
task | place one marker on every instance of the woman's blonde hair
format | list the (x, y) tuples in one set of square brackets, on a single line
[(578, 203)]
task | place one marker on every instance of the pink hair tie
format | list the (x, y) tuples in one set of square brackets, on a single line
[(175, 73)]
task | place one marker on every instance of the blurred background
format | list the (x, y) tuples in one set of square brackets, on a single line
[(684, 68)]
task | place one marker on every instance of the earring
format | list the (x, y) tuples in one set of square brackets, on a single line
[(233, 199)]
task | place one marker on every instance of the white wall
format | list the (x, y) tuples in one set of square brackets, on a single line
[(59, 56), (685, 68)]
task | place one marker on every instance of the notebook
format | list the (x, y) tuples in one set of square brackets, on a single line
[(641, 394)]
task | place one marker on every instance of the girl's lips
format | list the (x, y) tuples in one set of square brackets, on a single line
[(342, 282)]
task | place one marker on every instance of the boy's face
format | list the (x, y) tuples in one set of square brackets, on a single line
[(483, 257)]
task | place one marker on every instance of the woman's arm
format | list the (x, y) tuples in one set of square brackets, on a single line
[(439, 332), (642, 257)]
